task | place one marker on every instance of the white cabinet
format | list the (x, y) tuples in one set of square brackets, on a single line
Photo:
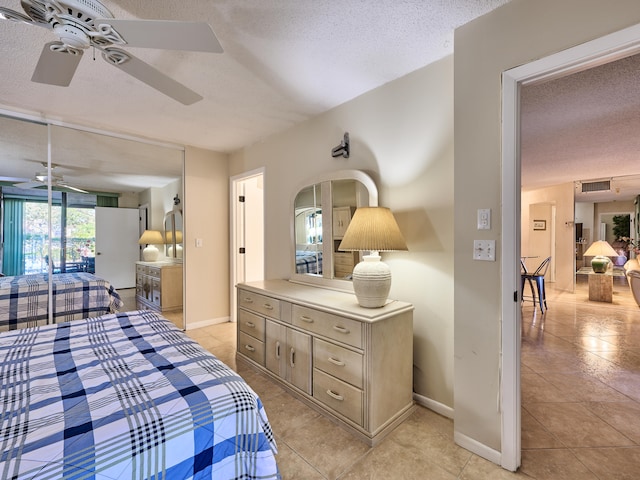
[(288, 355), (352, 364), (343, 262), (341, 218)]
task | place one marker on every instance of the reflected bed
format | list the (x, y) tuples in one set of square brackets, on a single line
[(126, 395), (24, 299), (308, 262)]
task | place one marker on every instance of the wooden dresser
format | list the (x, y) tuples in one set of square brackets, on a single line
[(352, 364), (159, 286)]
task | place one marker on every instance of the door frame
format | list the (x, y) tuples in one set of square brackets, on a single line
[(237, 229), (587, 55)]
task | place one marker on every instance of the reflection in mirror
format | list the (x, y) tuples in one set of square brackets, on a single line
[(321, 262), (117, 172), (25, 217), (346, 196), (173, 234), (308, 230)]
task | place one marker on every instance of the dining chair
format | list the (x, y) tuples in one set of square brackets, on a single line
[(538, 277)]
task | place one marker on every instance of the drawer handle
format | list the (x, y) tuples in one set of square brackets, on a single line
[(250, 348), (340, 329), (292, 357), (248, 300), (334, 395), (278, 350), (304, 318), (268, 306), (250, 325), (336, 362)]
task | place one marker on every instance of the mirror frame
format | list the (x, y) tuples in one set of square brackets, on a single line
[(171, 247), (327, 221)]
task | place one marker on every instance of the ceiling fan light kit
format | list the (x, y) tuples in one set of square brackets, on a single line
[(80, 24)]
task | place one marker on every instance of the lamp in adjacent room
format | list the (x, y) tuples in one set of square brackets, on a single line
[(600, 251), (150, 238), (372, 229)]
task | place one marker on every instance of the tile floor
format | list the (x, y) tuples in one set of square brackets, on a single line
[(580, 406)]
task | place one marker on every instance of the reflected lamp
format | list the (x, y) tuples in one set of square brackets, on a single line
[(372, 229), (600, 251), (150, 238)]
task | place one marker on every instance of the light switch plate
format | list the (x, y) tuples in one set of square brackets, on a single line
[(484, 250), (484, 219)]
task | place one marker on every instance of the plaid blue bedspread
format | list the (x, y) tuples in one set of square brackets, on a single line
[(308, 262), (24, 299), (126, 396)]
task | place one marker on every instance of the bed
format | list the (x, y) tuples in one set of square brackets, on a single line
[(308, 261), (126, 395), (24, 299)]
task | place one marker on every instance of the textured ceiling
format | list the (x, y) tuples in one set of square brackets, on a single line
[(283, 62), (584, 127)]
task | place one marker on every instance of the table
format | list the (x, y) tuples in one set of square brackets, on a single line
[(601, 287)]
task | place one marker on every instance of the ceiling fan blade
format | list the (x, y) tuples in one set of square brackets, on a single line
[(13, 179), (18, 17), (65, 185), (32, 184), (56, 67), (166, 34), (149, 75)]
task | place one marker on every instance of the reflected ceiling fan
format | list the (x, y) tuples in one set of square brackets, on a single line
[(41, 179), (80, 24)]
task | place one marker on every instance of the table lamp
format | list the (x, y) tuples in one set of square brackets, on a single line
[(170, 242), (600, 251), (151, 238), (372, 229)]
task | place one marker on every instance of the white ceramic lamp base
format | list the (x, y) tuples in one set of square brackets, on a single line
[(371, 282), (150, 253)]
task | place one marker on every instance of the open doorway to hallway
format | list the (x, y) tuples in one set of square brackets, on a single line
[(620, 45), (247, 231)]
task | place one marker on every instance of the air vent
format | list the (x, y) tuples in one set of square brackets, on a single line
[(599, 186)]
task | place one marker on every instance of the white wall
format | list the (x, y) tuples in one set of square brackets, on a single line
[(513, 35), (206, 217), (402, 135)]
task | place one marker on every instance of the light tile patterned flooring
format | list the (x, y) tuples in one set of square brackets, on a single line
[(580, 413)]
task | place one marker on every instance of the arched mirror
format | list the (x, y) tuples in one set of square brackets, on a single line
[(321, 212)]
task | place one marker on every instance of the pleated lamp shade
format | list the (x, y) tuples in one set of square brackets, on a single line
[(600, 251), (372, 229)]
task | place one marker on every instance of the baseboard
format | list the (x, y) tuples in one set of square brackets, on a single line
[(207, 323), (437, 407), (478, 448), (464, 441)]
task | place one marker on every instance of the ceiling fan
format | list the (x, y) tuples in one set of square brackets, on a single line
[(80, 24), (42, 179)]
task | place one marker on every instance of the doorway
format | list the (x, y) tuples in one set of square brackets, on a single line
[(247, 231), (599, 51)]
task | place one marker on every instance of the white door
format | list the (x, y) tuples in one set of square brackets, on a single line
[(247, 231), (117, 245)]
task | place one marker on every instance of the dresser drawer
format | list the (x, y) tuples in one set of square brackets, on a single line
[(259, 303), (332, 326), (251, 347), (338, 395), (153, 271), (338, 361), (251, 324), (141, 269)]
